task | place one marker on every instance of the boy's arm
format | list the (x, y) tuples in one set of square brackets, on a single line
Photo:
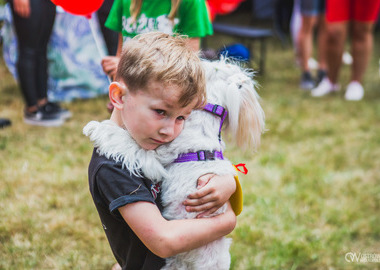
[(168, 238)]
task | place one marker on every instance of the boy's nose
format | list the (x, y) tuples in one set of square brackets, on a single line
[(168, 128)]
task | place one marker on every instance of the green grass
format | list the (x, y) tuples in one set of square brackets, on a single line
[(312, 193)]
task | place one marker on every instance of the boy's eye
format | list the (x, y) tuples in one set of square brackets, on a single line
[(181, 118), (160, 112)]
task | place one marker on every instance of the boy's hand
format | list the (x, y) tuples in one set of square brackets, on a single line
[(213, 192)]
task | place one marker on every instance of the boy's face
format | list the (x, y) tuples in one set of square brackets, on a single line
[(153, 117)]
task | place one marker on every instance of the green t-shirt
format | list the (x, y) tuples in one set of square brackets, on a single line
[(191, 18)]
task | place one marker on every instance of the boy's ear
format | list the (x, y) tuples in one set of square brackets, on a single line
[(116, 93)]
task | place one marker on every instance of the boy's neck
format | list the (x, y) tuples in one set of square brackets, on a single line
[(116, 118)]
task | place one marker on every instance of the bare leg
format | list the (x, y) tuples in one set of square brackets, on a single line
[(362, 45), (322, 40), (336, 37), (305, 40), (330, 54)]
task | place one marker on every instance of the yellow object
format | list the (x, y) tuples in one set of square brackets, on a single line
[(236, 199)]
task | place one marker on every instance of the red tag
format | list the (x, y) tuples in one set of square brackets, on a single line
[(242, 165)]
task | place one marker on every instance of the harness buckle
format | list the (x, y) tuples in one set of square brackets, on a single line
[(215, 108), (205, 155)]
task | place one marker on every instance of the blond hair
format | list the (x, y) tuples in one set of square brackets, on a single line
[(159, 57), (135, 9)]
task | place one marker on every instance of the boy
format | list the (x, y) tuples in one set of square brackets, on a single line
[(159, 81)]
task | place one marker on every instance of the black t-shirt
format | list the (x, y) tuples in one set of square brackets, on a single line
[(111, 187)]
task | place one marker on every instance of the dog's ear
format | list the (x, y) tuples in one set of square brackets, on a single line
[(247, 117), (234, 88), (251, 117), (224, 91), (231, 97)]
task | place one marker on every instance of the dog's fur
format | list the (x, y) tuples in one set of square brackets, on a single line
[(232, 87), (116, 143)]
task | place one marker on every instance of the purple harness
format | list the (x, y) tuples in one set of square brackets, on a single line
[(204, 155)]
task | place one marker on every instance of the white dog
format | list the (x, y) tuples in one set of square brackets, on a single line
[(198, 150)]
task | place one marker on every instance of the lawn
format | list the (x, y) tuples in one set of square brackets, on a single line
[(312, 193)]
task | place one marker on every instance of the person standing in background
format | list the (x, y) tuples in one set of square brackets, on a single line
[(356, 18), (312, 14), (33, 21), (132, 17)]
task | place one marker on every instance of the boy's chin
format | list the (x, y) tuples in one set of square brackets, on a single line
[(148, 147), (152, 144)]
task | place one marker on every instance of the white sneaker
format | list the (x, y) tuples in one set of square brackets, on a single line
[(325, 87), (354, 91)]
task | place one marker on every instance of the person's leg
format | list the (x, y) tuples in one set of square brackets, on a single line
[(305, 45), (337, 18), (305, 40), (47, 21), (321, 48), (30, 32), (335, 40), (364, 17), (27, 32), (321, 41), (336, 36), (111, 38), (309, 11), (362, 45)]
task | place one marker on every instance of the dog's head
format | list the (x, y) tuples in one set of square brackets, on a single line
[(233, 87)]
